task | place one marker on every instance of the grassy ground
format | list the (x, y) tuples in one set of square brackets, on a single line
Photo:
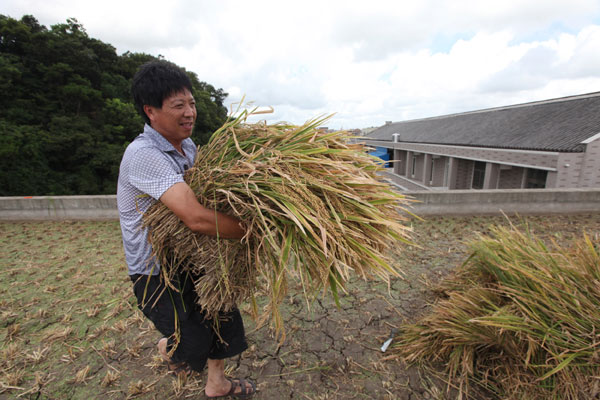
[(69, 328)]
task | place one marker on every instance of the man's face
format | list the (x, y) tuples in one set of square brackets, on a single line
[(175, 120)]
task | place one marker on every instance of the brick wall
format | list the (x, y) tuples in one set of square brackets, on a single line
[(590, 168), (568, 169), (439, 167), (419, 168), (464, 175), (511, 178)]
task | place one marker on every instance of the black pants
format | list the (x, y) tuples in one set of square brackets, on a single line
[(198, 341)]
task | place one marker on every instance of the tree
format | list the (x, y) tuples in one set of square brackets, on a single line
[(70, 114), (23, 168)]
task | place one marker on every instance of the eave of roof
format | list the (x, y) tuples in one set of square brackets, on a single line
[(578, 149)]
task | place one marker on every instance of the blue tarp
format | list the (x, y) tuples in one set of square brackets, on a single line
[(382, 152)]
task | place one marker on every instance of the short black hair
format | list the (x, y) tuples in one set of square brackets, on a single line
[(155, 81)]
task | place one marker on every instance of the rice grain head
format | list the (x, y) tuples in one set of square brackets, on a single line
[(313, 204)]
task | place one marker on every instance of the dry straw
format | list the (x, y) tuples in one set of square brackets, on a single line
[(520, 318), (314, 206)]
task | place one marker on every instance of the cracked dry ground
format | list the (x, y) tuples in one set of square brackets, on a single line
[(328, 353), (334, 353)]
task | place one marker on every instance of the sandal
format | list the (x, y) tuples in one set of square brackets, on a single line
[(243, 393)]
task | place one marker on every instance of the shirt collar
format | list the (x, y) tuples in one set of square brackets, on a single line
[(160, 141), (163, 144)]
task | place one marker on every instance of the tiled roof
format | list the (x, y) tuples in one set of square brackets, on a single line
[(552, 125)]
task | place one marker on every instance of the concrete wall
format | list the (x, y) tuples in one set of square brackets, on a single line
[(443, 202), (510, 201), (58, 207)]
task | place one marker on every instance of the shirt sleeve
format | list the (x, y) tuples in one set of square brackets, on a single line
[(152, 172)]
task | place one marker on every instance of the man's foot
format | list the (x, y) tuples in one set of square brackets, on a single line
[(176, 367), (236, 388)]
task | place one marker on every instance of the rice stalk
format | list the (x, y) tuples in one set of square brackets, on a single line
[(12, 380), (111, 377), (313, 205), (12, 331), (82, 375), (136, 388), (36, 356), (57, 333), (10, 354), (521, 317)]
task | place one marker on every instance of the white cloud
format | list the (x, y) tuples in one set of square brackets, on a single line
[(584, 60), (568, 58), (368, 62)]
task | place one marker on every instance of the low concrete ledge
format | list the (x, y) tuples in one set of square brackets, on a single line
[(509, 201), (58, 207), (448, 202)]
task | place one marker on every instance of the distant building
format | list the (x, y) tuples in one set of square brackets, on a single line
[(544, 144)]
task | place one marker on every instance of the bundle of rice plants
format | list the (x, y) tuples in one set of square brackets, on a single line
[(313, 205), (520, 318)]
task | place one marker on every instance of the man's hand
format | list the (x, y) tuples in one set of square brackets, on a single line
[(180, 199)]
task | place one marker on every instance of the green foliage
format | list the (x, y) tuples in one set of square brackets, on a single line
[(23, 167), (67, 113)]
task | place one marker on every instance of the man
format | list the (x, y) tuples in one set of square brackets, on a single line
[(152, 170)]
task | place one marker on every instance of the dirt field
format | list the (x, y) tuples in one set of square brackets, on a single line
[(69, 328)]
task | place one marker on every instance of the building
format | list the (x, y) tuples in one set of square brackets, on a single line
[(544, 144)]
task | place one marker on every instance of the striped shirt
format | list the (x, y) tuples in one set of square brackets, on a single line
[(149, 167)]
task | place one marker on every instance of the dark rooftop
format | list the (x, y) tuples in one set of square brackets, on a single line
[(550, 125)]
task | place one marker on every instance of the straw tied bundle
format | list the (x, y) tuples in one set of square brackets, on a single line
[(313, 206)]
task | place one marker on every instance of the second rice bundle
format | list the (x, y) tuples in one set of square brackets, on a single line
[(313, 205)]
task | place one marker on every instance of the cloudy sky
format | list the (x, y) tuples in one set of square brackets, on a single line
[(366, 61)]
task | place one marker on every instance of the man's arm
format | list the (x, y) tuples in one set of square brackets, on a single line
[(180, 199)]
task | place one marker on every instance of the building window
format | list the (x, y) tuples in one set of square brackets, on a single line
[(413, 168), (478, 175), (536, 179)]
